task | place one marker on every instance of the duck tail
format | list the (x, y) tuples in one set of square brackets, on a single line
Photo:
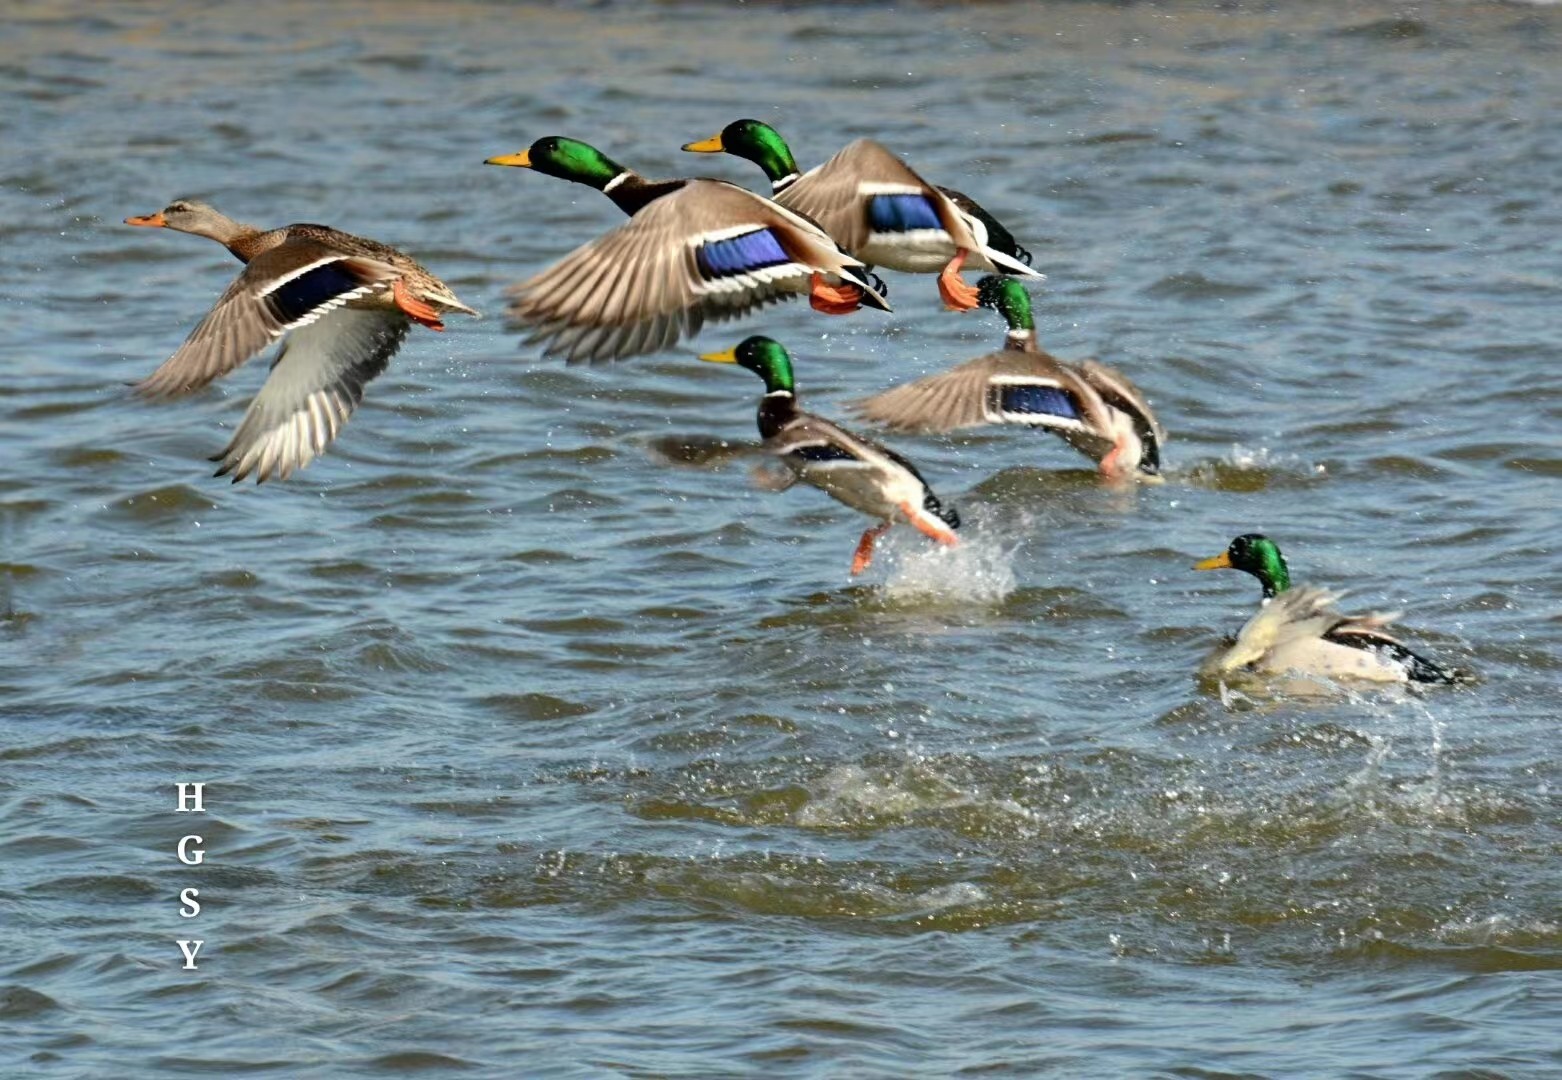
[(872, 294), (1419, 669), (947, 514), (1007, 264)]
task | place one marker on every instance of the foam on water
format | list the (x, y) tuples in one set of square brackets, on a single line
[(852, 796)]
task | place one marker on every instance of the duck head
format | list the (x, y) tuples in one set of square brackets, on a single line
[(568, 159), (1259, 556), (755, 141), (763, 356), (192, 216)]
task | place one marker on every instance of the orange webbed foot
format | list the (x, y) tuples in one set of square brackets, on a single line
[(842, 299), (1111, 465), (415, 309), (930, 526), (958, 296), (864, 555)]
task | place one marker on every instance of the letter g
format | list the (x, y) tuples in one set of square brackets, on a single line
[(191, 858)]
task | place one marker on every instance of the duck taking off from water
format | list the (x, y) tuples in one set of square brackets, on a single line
[(864, 475), (1093, 408), (1299, 630), (692, 250), (345, 305), (880, 210)]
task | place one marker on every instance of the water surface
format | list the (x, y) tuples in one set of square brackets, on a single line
[(539, 742)]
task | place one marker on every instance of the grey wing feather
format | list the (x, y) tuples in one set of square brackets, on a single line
[(943, 402), (832, 194), (960, 397), (314, 386), (639, 287)]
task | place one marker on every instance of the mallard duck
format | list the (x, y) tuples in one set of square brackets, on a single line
[(862, 474), (692, 250), (1300, 630), (346, 304), (1093, 408), (880, 210)]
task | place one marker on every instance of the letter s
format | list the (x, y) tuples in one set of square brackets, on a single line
[(187, 898)]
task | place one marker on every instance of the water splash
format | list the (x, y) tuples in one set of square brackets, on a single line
[(979, 570), (1245, 468), (855, 796)]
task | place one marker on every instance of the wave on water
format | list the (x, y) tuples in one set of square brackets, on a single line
[(1245, 468), (852, 796)]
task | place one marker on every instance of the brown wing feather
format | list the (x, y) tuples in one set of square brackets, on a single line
[(1118, 391), (958, 398), (637, 287), (832, 195), (241, 323)]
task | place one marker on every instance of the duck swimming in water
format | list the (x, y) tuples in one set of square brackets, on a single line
[(1299, 629)]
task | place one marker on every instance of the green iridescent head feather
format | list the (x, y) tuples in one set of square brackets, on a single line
[(1007, 297), (763, 356), (755, 141), (568, 159), (1257, 555)]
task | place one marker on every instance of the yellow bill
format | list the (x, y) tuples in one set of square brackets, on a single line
[(711, 145), (728, 357), (1215, 562), (521, 159)]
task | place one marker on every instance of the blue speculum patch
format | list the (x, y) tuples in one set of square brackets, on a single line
[(308, 291), (741, 254), (902, 213), (822, 453), (1042, 400)]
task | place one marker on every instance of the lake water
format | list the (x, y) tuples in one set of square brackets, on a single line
[(539, 742)]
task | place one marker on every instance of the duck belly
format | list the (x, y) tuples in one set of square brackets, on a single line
[(919, 251), (1315, 656), (867, 490)]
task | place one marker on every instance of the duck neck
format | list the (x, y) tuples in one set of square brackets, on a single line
[(776, 409), (1273, 575), (245, 241), (632, 192), (1015, 308), (769, 151)]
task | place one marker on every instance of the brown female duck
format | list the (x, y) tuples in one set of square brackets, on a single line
[(345, 304)]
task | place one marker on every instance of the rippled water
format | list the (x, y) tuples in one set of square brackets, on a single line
[(539, 742)]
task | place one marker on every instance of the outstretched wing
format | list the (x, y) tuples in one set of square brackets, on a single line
[(1006, 387), (314, 386), (708, 251), (290, 286), (865, 189)]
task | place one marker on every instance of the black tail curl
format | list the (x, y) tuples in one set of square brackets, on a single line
[(948, 514)]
